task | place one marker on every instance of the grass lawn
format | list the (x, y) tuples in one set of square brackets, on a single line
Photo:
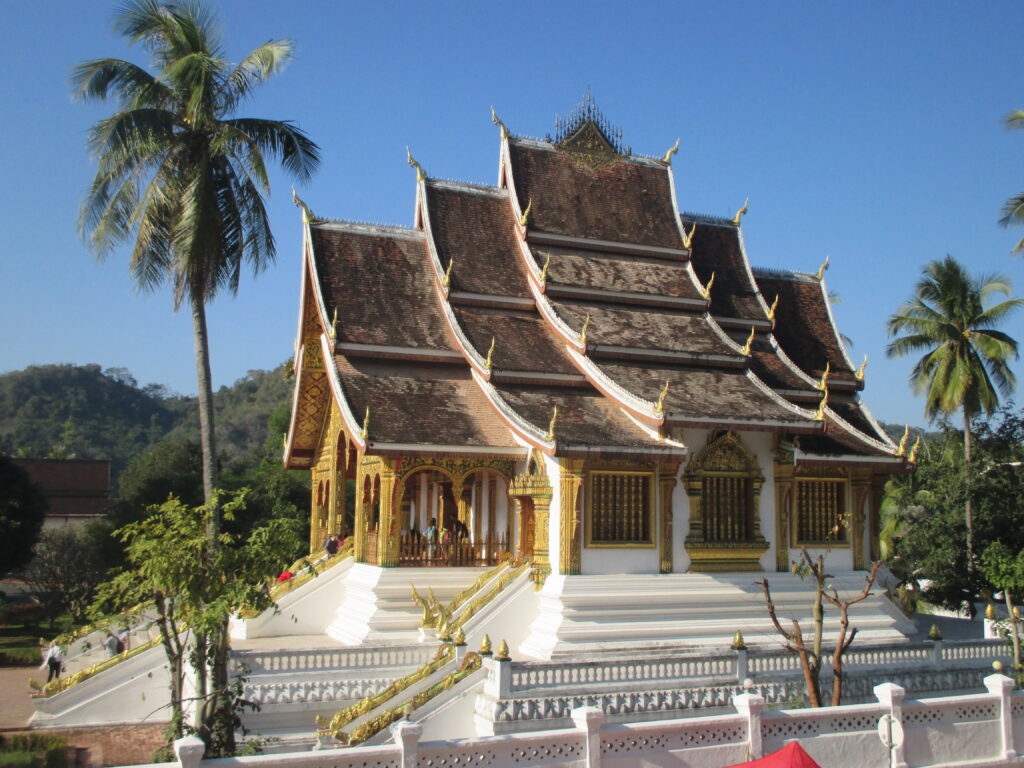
[(19, 636)]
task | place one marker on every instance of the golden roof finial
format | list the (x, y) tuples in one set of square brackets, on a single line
[(902, 449), (771, 309), (824, 377), (819, 415), (584, 329), (490, 355), (750, 342), (421, 175), (502, 654), (660, 407), (485, 646), (497, 121), (912, 458), (667, 158), (860, 371), (544, 271), (447, 281), (307, 215), (551, 427), (334, 324), (688, 238), (821, 270), (741, 212), (706, 290), (366, 424), (525, 217)]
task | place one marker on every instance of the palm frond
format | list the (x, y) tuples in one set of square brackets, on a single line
[(282, 139), (261, 63)]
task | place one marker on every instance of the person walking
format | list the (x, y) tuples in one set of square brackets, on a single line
[(53, 660)]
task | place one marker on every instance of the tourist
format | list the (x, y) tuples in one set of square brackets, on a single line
[(431, 535), (331, 545), (53, 660), (111, 643), (122, 638)]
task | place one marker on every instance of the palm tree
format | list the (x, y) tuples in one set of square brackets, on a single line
[(1013, 209), (965, 362), (179, 174), (184, 178)]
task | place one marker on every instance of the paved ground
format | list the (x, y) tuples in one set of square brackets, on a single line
[(952, 628), (15, 702)]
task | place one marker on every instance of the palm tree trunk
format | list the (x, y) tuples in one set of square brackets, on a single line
[(207, 437), (968, 508)]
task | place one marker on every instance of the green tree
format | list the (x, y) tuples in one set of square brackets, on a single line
[(179, 174), (22, 509), (965, 362), (66, 568), (1013, 209)]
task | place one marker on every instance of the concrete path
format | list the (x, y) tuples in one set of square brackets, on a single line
[(15, 700)]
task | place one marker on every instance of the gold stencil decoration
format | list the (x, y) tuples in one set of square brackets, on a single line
[(587, 137)]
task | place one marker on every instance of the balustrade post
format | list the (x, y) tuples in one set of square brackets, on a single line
[(742, 665), (407, 737), (891, 696), (499, 677), (750, 705), (936, 652), (1000, 687), (189, 750), (589, 720)]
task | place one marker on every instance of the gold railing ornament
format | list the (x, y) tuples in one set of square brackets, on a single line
[(334, 325), (823, 383), (447, 280), (551, 426), (772, 308), (366, 425), (459, 637), (934, 634), (750, 342), (706, 290), (497, 121), (660, 406), (667, 157), (421, 175), (584, 329), (738, 644), (485, 646), (307, 215), (990, 612), (502, 654), (741, 212), (490, 355), (428, 615), (819, 415), (859, 375), (524, 218), (544, 271), (444, 634), (820, 275), (912, 458), (688, 238), (901, 450)]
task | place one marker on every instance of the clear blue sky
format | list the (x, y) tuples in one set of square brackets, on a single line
[(868, 131)]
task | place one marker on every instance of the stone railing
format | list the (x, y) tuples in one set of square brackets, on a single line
[(326, 659), (982, 730)]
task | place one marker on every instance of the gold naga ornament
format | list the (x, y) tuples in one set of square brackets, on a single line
[(750, 342), (741, 213), (821, 385), (859, 375), (772, 308), (667, 157), (820, 274), (901, 450), (551, 426), (660, 406), (490, 355), (544, 271), (366, 424), (447, 281), (524, 218), (421, 175), (912, 458), (497, 121), (334, 325), (583, 330), (688, 238), (706, 290), (307, 214), (819, 415)]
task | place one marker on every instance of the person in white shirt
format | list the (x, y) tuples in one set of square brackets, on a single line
[(53, 659)]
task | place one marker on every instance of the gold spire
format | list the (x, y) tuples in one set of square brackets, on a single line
[(459, 637), (497, 121), (821, 270), (738, 643), (902, 449), (544, 271), (583, 330), (334, 324), (860, 371), (421, 175), (706, 290), (688, 238), (485, 646), (667, 158), (490, 355), (740, 212), (819, 415), (502, 654), (366, 424), (660, 407), (307, 215), (525, 217), (824, 377), (447, 281), (551, 427), (771, 309), (750, 342), (912, 458)]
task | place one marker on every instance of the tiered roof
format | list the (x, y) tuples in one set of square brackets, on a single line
[(570, 309)]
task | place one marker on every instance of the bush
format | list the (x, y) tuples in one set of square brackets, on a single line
[(22, 613), (33, 750), (19, 657)]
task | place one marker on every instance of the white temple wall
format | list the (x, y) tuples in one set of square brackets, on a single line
[(553, 467), (680, 521)]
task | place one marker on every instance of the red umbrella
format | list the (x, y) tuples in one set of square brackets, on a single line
[(790, 756)]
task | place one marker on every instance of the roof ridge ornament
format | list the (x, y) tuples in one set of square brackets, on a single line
[(901, 449), (544, 271), (421, 175), (706, 290), (820, 275), (819, 415), (823, 384), (490, 355), (688, 238), (551, 426), (660, 407), (583, 330), (447, 280), (587, 136), (750, 342), (741, 212), (497, 121), (912, 458), (667, 157), (772, 308), (859, 375), (366, 425), (307, 214), (334, 325), (524, 217)]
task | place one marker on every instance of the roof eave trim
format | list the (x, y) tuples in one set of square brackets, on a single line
[(608, 246), (490, 450), (520, 426), (644, 410), (352, 425), (289, 443)]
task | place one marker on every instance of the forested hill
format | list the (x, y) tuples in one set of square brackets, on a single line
[(86, 412)]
